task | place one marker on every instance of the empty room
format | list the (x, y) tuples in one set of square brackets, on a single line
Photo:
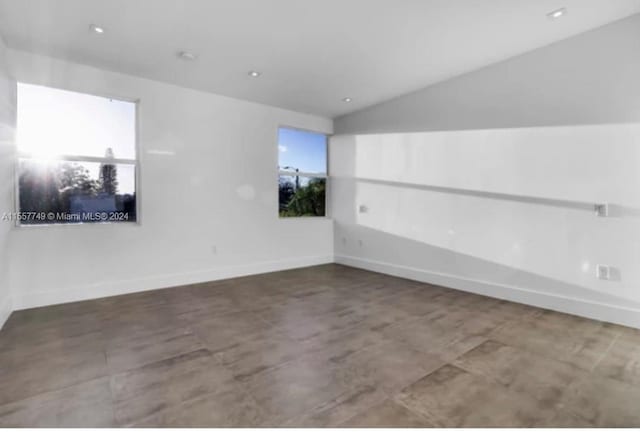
[(320, 214)]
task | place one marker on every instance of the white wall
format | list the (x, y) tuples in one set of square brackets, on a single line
[(7, 148), (560, 123), (521, 247), (219, 188), (591, 78)]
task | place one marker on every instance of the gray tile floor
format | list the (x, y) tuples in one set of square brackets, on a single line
[(321, 346)]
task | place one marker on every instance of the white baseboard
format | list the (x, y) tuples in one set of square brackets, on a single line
[(24, 299), (5, 310), (580, 307)]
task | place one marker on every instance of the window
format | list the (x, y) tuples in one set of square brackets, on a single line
[(77, 158), (302, 166)]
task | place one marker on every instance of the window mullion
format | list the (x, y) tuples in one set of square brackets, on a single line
[(79, 158), (302, 174)]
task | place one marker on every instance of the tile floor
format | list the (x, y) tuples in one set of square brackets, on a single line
[(321, 346)]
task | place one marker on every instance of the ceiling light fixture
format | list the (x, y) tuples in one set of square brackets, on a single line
[(186, 55), (554, 15), (96, 29), (347, 99), (254, 74)]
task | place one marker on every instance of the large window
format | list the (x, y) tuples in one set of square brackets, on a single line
[(302, 166), (77, 159)]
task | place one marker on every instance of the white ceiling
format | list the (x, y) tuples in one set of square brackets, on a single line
[(312, 53)]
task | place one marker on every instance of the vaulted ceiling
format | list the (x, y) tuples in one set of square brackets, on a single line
[(311, 53)]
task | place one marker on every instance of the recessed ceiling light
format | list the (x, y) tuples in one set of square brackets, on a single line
[(254, 74), (554, 15), (347, 99), (186, 55), (96, 29)]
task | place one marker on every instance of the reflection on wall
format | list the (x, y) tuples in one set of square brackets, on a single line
[(510, 206)]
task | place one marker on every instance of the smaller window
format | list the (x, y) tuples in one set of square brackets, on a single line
[(302, 168)]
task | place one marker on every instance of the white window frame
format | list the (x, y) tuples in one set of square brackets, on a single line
[(323, 175), (20, 155)]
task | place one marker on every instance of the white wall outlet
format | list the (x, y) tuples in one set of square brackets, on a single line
[(360, 243), (214, 249), (363, 209), (603, 272), (344, 240), (602, 210)]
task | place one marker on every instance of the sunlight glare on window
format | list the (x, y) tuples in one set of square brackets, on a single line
[(76, 157), (53, 122)]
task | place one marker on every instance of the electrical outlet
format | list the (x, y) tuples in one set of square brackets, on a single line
[(344, 240), (603, 272), (363, 209), (214, 249), (360, 243)]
